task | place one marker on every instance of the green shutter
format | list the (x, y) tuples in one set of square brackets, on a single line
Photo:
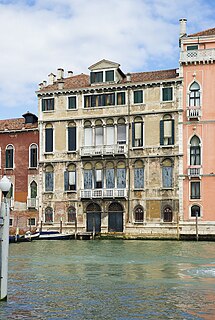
[(161, 132)]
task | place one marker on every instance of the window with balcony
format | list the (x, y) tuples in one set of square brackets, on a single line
[(121, 175), (138, 214), (99, 134), (110, 176), (195, 190), (138, 96), (167, 94), (49, 217), (195, 151), (138, 175), (33, 152), (121, 131), (71, 131), (88, 176), (98, 176), (48, 104), (49, 178), (72, 102), (110, 133), (194, 95), (9, 157), (167, 172), (49, 138), (195, 211), (137, 132), (167, 126), (71, 214), (70, 178)]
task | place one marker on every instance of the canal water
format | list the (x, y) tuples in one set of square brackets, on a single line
[(110, 280)]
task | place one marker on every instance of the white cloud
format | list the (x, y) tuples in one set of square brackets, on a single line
[(38, 36)]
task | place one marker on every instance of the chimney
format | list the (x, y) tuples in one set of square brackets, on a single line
[(70, 73), (44, 83), (51, 78), (60, 85), (40, 85), (60, 74), (128, 77), (183, 30)]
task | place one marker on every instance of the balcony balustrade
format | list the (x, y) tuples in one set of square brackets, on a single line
[(201, 55), (194, 113), (32, 203), (103, 193), (90, 151), (194, 171)]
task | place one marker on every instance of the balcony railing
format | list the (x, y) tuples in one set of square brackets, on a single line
[(32, 203), (197, 55), (194, 113), (194, 171), (91, 151), (103, 193)]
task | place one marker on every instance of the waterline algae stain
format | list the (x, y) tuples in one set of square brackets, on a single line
[(110, 280)]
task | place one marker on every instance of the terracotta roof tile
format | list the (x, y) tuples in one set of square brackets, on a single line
[(16, 124), (208, 32), (83, 80)]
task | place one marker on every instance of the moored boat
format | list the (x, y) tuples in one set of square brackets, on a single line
[(54, 235)]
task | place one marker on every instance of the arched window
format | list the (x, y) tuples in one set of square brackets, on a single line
[(88, 176), (49, 138), (98, 175), (71, 214), (70, 178), (167, 171), (33, 153), (110, 176), (110, 132), (88, 134), (33, 187), (194, 96), (195, 211), (167, 214), (195, 151), (121, 175), (99, 133), (9, 156), (138, 214), (137, 132), (49, 178), (167, 126), (121, 131), (49, 215), (138, 175)]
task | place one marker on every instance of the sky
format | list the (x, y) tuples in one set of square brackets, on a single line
[(39, 36)]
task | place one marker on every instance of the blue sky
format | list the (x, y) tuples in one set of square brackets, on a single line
[(40, 36)]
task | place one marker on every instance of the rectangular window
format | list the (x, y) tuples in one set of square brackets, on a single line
[(11, 222), (96, 77), (88, 181), (88, 138), (120, 98), (98, 180), (71, 138), (72, 102), (121, 134), (110, 180), (49, 179), (121, 178), (49, 140), (110, 136), (195, 190), (167, 136), (138, 96), (167, 94), (192, 47), (32, 222), (109, 75), (137, 134), (69, 180), (48, 104), (138, 178)]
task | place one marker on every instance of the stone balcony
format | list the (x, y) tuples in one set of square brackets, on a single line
[(103, 193), (194, 171), (92, 151), (194, 113), (32, 203), (194, 56)]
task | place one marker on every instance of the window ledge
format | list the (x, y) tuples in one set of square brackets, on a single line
[(9, 168), (48, 223), (167, 146), (137, 148), (70, 223), (139, 222), (48, 153), (71, 109), (138, 189), (48, 111), (48, 192), (72, 151), (167, 188), (71, 191), (32, 168)]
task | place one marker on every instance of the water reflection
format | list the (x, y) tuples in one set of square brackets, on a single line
[(110, 280)]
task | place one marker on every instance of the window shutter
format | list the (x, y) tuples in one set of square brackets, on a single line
[(161, 132), (66, 180), (133, 134), (92, 77), (43, 105), (72, 138), (173, 131), (49, 140)]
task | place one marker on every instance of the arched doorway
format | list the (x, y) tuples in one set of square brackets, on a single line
[(115, 217), (167, 214), (93, 217)]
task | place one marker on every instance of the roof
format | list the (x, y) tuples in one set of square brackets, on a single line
[(83, 80), (16, 124), (208, 32)]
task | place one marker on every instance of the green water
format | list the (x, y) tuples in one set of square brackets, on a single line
[(110, 280)]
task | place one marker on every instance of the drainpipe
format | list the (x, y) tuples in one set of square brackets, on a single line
[(129, 173)]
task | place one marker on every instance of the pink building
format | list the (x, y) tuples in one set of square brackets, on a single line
[(197, 186)]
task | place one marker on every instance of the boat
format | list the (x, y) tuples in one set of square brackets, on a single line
[(28, 236), (54, 235)]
